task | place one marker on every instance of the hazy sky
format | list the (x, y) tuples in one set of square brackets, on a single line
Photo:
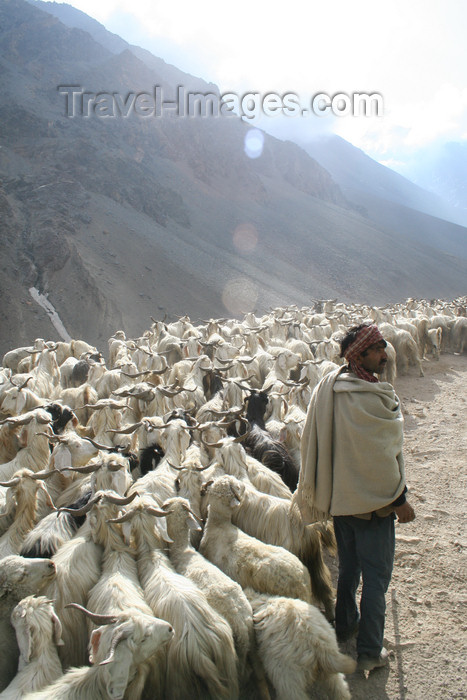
[(412, 52)]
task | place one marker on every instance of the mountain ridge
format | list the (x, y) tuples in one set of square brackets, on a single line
[(117, 220)]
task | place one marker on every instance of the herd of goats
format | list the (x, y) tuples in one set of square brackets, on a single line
[(149, 544)]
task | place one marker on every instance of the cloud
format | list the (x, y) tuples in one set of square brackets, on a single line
[(414, 54)]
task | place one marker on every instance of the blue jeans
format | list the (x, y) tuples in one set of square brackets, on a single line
[(366, 549)]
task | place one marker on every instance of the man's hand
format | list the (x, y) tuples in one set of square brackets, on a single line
[(405, 513)]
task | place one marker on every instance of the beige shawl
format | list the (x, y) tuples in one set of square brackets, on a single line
[(351, 448)]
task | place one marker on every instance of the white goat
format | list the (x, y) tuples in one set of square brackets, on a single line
[(78, 566), (201, 658), (250, 562), (298, 648), (118, 648), (19, 577), (35, 454), (22, 494), (118, 588), (222, 593), (277, 521), (38, 633)]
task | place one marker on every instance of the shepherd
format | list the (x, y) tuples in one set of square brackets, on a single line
[(352, 468)]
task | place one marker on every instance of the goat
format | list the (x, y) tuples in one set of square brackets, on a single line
[(247, 560), (35, 454), (222, 593), (118, 647), (118, 587), (78, 566), (298, 648), (201, 658), (22, 495), (19, 577), (38, 634), (262, 446)]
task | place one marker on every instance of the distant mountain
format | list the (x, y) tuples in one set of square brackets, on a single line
[(443, 169), (388, 197), (117, 218)]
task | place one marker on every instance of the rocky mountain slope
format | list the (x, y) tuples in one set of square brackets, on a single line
[(119, 219)]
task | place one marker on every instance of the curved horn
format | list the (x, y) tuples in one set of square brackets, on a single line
[(21, 386), (147, 352), (52, 438), (12, 482), (123, 518), (45, 474), (99, 446), (87, 469), (156, 512), (137, 374), (95, 617), (171, 394), (210, 444), (223, 369), (116, 638), (127, 430), (85, 509), (120, 500), (178, 469)]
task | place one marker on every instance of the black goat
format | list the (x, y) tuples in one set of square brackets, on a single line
[(61, 415), (262, 446), (53, 530), (149, 458)]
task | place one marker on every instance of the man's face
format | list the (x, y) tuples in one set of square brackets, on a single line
[(374, 358)]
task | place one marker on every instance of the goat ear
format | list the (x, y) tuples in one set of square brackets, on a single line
[(21, 402), (94, 643), (23, 437), (24, 639), (281, 361), (283, 434), (205, 487)]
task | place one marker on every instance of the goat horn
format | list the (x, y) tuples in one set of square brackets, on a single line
[(197, 426), (123, 518), (243, 437), (210, 444), (21, 386), (95, 617), (45, 474), (137, 374), (119, 500), (171, 393), (117, 637), (85, 509), (156, 512), (52, 438), (205, 486), (148, 352), (127, 430), (87, 469), (98, 446), (179, 469), (12, 482)]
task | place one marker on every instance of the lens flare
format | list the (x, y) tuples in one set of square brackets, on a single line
[(240, 296), (254, 142), (245, 238)]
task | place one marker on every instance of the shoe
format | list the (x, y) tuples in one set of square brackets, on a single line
[(347, 634), (368, 663)]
